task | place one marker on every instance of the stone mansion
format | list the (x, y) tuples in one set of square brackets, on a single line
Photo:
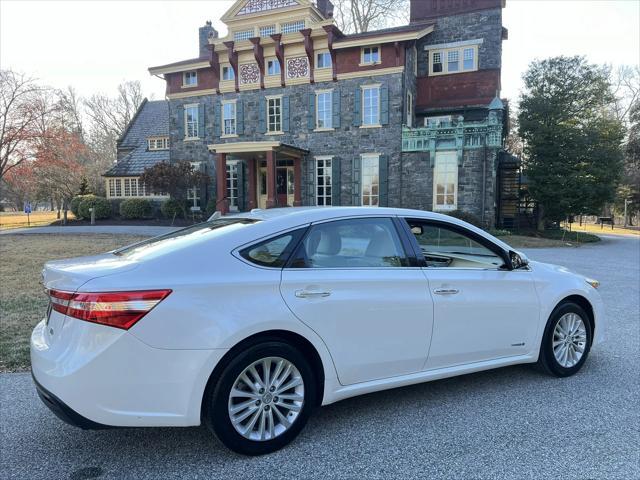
[(287, 110)]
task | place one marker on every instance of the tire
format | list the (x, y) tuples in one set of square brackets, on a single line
[(570, 364), (220, 405)]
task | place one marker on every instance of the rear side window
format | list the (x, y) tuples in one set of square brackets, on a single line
[(353, 243), (273, 252)]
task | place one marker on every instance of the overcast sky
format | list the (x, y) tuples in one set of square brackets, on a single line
[(95, 45)]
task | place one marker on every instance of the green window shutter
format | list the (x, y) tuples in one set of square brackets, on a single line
[(285, 114), (239, 117), (357, 101), (335, 108), (241, 190), (262, 116), (180, 125), (384, 105), (201, 129), (335, 181), (356, 178), (217, 119), (311, 180), (383, 176), (311, 118)]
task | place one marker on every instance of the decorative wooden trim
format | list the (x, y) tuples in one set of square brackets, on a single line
[(277, 37), (192, 93), (233, 60), (214, 62), (258, 53), (377, 39), (178, 68), (331, 34), (370, 73), (308, 48)]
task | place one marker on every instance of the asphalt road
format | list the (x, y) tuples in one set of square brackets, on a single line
[(507, 423)]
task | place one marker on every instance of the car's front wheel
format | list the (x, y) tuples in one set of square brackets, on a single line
[(567, 340), (262, 398)]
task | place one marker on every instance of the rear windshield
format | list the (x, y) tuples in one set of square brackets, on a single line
[(179, 238)]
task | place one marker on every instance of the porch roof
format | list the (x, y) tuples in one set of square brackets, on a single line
[(250, 147)]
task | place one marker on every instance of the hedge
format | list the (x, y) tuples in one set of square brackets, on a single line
[(466, 217), (100, 205), (74, 205), (136, 208), (172, 208)]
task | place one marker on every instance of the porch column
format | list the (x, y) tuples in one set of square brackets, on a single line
[(271, 179), (297, 183), (253, 185), (222, 203)]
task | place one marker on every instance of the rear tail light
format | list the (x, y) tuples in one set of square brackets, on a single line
[(116, 309)]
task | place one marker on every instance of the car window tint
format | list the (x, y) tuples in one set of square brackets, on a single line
[(444, 247), (271, 253), (370, 242)]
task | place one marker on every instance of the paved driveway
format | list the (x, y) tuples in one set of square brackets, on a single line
[(508, 423)]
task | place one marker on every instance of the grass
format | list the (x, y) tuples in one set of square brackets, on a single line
[(22, 301), (546, 239), (607, 230), (19, 219)]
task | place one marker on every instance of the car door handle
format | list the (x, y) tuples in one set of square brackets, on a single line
[(446, 291), (311, 293)]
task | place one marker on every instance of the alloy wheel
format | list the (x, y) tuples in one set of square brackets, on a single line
[(266, 398), (569, 340)]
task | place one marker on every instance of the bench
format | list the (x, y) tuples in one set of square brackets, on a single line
[(603, 220)]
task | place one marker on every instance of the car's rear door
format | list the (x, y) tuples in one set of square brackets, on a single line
[(481, 311), (353, 282)]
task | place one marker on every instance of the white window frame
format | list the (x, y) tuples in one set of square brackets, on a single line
[(276, 62), (194, 123), (326, 163), (158, 143), (275, 121), (227, 67), (262, 30), (233, 188), (187, 75), (324, 54), (370, 171), (363, 106), (439, 119), (444, 57), (242, 35), (370, 48), (445, 172), (409, 109), (292, 27), (328, 124), (193, 193), (111, 187), (231, 132)]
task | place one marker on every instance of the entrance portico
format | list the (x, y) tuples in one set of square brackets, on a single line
[(273, 172)]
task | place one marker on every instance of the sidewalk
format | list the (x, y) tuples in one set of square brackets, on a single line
[(108, 229)]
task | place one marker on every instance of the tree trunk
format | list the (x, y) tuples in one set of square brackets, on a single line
[(540, 219)]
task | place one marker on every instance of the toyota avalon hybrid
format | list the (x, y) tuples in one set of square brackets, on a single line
[(247, 323)]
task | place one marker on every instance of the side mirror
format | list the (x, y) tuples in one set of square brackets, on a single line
[(518, 260)]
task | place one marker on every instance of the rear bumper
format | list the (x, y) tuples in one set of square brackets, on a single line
[(63, 411), (94, 376)]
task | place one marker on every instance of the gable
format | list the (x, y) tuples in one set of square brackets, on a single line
[(258, 6), (247, 9)]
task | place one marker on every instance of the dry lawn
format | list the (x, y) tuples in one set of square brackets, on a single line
[(19, 219), (22, 300)]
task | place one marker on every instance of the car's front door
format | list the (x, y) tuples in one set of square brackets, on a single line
[(351, 282), (481, 311)]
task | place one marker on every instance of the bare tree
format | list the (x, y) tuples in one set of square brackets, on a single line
[(22, 110), (625, 82), (112, 115), (357, 16)]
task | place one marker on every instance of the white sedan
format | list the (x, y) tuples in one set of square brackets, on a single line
[(249, 322)]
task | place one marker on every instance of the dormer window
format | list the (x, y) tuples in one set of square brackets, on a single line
[(453, 60), (158, 143), (189, 79), (370, 55)]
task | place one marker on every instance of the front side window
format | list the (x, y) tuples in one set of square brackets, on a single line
[(273, 67), (370, 180), (370, 55), (371, 106), (452, 247), (353, 243), (323, 182), (274, 114), (227, 73), (191, 121), (323, 110), (190, 79), (323, 60), (118, 187), (445, 181), (229, 118)]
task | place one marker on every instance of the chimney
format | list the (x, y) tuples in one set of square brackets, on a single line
[(204, 34), (325, 7)]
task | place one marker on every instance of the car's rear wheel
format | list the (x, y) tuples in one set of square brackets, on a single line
[(567, 340), (262, 398)]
